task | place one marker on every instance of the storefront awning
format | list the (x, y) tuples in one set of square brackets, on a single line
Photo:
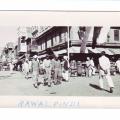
[(92, 50), (107, 51), (42, 56), (23, 56), (60, 52), (115, 51), (76, 50)]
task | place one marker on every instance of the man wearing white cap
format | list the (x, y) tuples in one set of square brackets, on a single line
[(35, 70), (58, 70), (104, 71)]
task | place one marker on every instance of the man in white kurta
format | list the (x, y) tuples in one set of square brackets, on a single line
[(104, 71), (35, 70), (66, 69), (47, 67)]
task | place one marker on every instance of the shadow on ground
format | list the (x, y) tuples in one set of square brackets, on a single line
[(97, 87)]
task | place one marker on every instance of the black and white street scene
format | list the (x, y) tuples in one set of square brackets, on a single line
[(60, 60), (94, 56), (34, 60)]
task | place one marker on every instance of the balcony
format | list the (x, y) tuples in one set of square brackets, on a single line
[(40, 31)]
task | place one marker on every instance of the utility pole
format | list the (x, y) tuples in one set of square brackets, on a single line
[(96, 33)]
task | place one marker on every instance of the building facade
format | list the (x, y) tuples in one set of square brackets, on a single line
[(104, 39), (43, 40)]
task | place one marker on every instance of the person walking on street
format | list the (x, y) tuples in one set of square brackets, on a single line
[(66, 69), (88, 67), (53, 69), (30, 66), (11, 67), (58, 71), (26, 68), (92, 66), (47, 67), (104, 71), (35, 71)]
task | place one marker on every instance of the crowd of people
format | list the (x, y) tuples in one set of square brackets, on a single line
[(52, 70)]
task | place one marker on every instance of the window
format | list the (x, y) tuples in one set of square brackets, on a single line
[(57, 38), (41, 45), (46, 43), (60, 37), (116, 35), (54, 39), (51, 40)]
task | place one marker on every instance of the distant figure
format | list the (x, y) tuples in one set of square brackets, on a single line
[(26, 68), (104, 71), (73, 67), (41, 67), (118, 65), (35, 70), (11, 67), (90, 67), (66, 68), (18, 67), (58, 71), (53, 69), (30, 66)]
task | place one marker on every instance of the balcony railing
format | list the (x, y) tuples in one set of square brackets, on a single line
[(39, 32)]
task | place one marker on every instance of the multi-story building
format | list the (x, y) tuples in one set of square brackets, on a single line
[(42, 40), (108, 40), (22, 47), (24, 33), (48, 40)]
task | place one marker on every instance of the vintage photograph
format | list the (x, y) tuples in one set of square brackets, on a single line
[(95, 60), (33, 60), (60, 60)]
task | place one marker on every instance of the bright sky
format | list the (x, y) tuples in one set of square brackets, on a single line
[(7, 34)]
